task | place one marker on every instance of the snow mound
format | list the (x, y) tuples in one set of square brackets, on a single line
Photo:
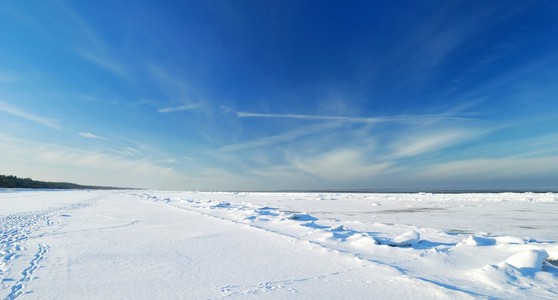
[(528, 262), (482, 240), (525, 270), (509, 240), (361, 240), (221, 204), (407, 239), (337, 227), (304, 216)]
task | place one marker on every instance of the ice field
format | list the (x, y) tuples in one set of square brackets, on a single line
[(196, 245)]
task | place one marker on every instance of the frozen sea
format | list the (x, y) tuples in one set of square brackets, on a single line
[(124, 244)]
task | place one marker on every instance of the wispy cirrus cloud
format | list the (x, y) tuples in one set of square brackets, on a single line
[(93, 47), (89, 135), (90, 45), (287, 136), (367, 120), (174, 84), (127, 151), (15, 111), (366, 151), (104, 61), (176, 87), (441, 36), (341, 165), (421, 143), (171, 84), (179, 108)]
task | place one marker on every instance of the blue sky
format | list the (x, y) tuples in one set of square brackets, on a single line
[(234, 95)]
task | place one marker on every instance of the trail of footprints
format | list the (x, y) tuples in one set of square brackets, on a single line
[(27, 273), (15, 232)]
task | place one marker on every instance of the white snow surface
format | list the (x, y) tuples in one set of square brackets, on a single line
[(193, 245)]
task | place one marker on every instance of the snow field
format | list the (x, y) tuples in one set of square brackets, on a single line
[(176, 245)]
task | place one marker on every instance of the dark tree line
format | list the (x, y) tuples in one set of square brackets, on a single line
[(28, 183)]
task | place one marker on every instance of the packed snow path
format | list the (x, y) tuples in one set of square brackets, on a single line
[(163, 245)]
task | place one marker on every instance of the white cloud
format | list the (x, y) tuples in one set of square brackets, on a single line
[(341, 165), (413, 144), (60, 163), (179, 108), (89, 135), (496, 168), (12, 110)]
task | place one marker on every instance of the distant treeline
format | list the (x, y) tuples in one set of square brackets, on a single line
[(28, 183)]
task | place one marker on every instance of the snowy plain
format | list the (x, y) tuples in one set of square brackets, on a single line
[(196, 245)]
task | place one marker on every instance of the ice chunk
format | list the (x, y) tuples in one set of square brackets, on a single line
[(479, 240), (408, 239), (361, 240), (337, 227), (221, 204), (475, 240), (301, 217)]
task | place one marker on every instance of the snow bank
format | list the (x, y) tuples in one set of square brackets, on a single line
[(528, 262)]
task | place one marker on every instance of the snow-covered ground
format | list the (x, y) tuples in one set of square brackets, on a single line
[(192, 245)]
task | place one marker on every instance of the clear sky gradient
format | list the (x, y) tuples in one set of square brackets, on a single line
[(259, 95)]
